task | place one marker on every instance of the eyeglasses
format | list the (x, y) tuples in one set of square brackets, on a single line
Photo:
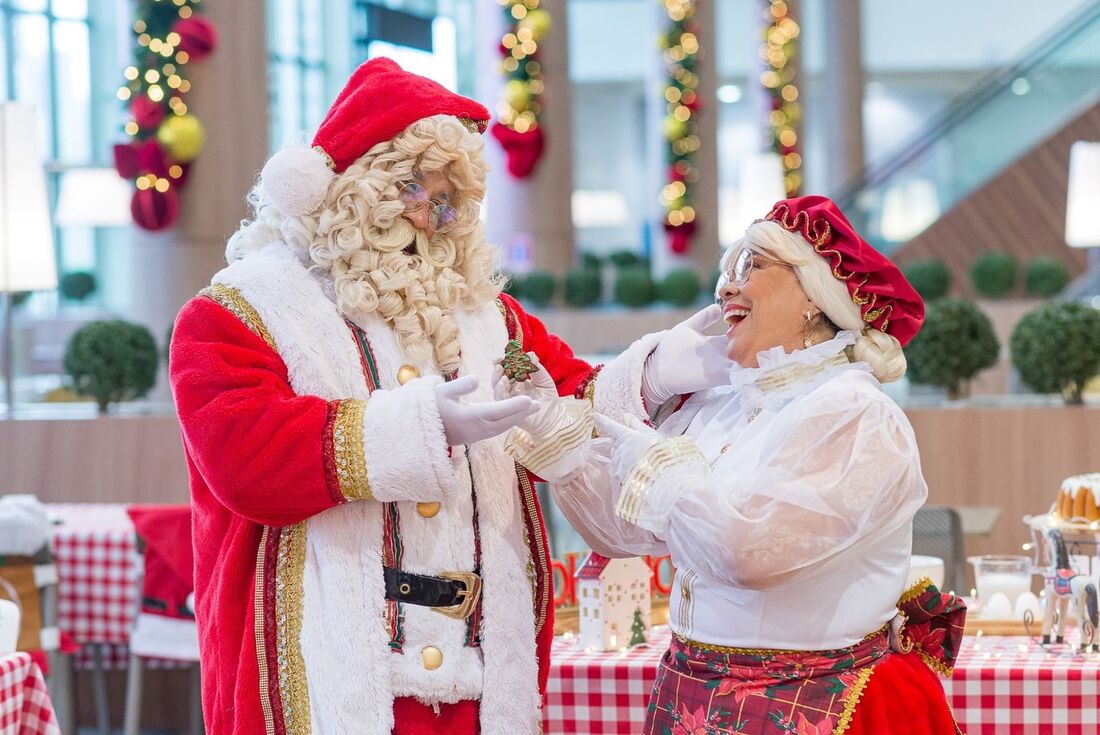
[(441, 217), (738, 274)]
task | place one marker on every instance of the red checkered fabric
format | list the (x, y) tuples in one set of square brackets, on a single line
[(98, 569), (1001, 686), (25, 707)]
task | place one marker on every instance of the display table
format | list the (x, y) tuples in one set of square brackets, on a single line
[(25, 707), (1001, 686)]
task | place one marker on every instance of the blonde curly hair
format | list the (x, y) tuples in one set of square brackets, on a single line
[(358, 236)]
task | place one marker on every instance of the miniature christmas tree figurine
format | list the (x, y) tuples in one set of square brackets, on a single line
[(637, 629)]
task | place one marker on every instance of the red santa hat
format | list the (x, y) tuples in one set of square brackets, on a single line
[(886, 300), (379, 101)]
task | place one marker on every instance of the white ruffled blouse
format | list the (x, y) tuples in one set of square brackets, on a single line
[(790, 526)]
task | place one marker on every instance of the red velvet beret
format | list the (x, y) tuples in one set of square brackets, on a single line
[(885, 299), (379, 101)]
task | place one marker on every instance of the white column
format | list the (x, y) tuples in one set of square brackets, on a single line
[(842, 106), (533, 212)]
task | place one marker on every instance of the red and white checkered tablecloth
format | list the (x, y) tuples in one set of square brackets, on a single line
[(25, 707), (98, 569), (1001, 686)]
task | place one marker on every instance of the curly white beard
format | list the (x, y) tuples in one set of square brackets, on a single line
[(414, 293)]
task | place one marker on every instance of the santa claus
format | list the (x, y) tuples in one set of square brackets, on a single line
[(368, 558)]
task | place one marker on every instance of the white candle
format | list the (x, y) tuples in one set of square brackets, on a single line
[(1009, 584)]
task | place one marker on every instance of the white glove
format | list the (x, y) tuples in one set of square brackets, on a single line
[(629, 443), (466, 423), (551, 415), (685, 360), (552, 442)]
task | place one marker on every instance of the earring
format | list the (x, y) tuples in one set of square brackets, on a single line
[(807, 341)]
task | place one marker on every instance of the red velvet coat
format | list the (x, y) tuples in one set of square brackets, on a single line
[(263, 458)]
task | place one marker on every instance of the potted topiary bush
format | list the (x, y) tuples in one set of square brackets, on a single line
[(930, 277), (1056, 348), (538, 288), (955, 344), (582, 287), (623, 259), (591, 261), (993, 274), (680, 287), (634, 288), (111, 361), (1045, 276), (77, 286)]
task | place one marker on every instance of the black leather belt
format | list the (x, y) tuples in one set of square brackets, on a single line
[(454, 594)]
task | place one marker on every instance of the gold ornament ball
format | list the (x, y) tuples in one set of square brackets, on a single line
[(538, 21), (182, 136), (517, 95)]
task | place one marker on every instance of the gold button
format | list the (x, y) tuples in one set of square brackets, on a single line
[(428, 510), (432, 657), (405, 373)]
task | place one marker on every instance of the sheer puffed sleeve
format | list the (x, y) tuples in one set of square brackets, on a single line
[(831, 470), (588, 501)]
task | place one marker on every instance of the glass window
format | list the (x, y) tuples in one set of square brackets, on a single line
[(298, 69)]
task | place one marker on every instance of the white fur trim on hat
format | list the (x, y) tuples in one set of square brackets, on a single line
[(295, 179)]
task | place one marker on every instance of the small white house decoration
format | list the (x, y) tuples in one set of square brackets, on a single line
[(613, 596)]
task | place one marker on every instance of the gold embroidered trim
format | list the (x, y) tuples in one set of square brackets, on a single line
[(644, 474), (797, 373), (533, 515), (715, 648), (327, 158), (238, 306), (854, 695), (916, 590), (818, 233), (563, 441), (686, 617), (289, 568), (261, 646), (934, 663), (347, 450)]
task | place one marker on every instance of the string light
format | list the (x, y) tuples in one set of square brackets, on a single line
[(520, 107), (680, 47), (778, 79)]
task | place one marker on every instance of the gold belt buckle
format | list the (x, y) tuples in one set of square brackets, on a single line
[(470, 595)]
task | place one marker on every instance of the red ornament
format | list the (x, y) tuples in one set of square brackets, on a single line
[(679, 236), (523, 150), (155, 210), (198, 36), (147, 114), (134, 159)]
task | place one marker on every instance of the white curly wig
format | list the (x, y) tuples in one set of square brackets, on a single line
[(358, 236)]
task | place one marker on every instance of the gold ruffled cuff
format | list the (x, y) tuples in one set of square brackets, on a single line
[(647, 471), (347, 450)]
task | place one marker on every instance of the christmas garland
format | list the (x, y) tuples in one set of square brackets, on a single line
[(681, 52), (518, 129), (164, 136), (778, 79)]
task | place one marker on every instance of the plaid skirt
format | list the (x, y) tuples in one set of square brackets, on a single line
[(873, 687)]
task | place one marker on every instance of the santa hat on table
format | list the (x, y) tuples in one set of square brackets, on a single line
[(376, 105)]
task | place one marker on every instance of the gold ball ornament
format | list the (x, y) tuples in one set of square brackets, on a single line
[(538, 21), (517, 95), (181, 136)]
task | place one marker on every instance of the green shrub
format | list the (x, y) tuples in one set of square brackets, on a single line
[(583, 287), (930, 277), (623, 259), (591, 261), (993, 274), (77, 286), (955, 343), (538, 288), (680, 287), (634, 288), (1056, 348), (1045, 276), (111, 361)]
